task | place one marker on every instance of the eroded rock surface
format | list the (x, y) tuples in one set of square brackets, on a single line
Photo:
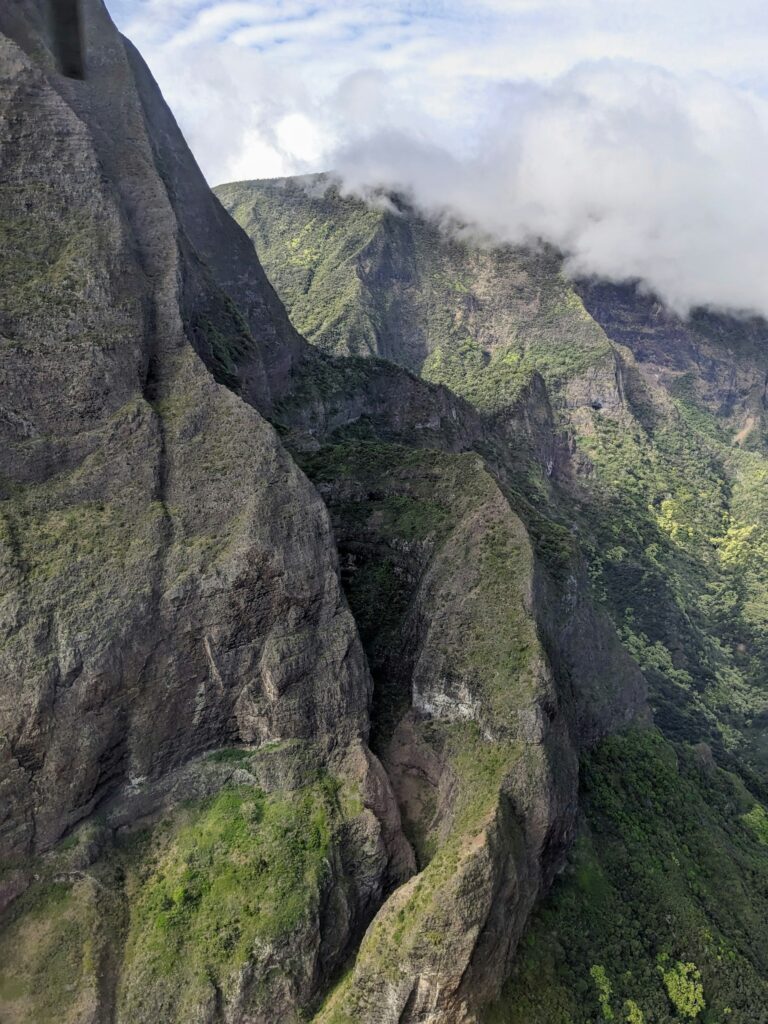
[(169, 576)]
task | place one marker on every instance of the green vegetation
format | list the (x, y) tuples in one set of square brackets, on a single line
[(420, 920), (677, 532), (604, 990), (235, 870), (669, 508), (632, 1013), (310, 253), (757, 820), (173, 912), (231, 755), (49, 955), (683, 985), (488, 381), (662, 914)]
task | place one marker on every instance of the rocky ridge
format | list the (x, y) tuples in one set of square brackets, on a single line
[(170, 581), (195, 826)]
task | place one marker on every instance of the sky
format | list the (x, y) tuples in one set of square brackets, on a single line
[(632, 134)]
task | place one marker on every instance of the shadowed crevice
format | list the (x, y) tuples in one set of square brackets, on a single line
[(66, 29)]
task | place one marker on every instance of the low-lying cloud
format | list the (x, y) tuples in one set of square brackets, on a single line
[(632, 172), (502, 115)]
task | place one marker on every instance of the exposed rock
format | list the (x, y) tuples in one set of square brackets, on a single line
[(478, 735), (169, 576), (170, 587)]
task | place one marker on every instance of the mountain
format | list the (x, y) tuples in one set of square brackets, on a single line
[(193, 825), (664, 422), (169, 587), (658, 479), (410, 672)]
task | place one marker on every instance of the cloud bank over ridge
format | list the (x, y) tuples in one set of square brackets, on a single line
[(632, 172), (632, 137)]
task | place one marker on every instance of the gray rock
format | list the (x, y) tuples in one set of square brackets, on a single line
[(169, 576)]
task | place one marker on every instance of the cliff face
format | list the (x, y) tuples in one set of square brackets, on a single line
[(153, 606), (192, 818), (169, 579), (466, 718), (255, 728)]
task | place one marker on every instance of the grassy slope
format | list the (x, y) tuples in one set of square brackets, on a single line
[(235, 871), (181, 906)]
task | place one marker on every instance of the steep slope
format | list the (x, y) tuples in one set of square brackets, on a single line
[(169, 586), (466, 718), (381, 281), (193, 827), (119, 497), (473, 718), (661, 913), (660, 484)]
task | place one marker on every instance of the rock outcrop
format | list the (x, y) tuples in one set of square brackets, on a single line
[(476, 724)]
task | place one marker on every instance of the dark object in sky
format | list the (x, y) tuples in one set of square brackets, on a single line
[(67, 34)]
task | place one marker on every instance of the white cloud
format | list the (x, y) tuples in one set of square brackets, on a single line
[(634, 172), (632, 135)]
